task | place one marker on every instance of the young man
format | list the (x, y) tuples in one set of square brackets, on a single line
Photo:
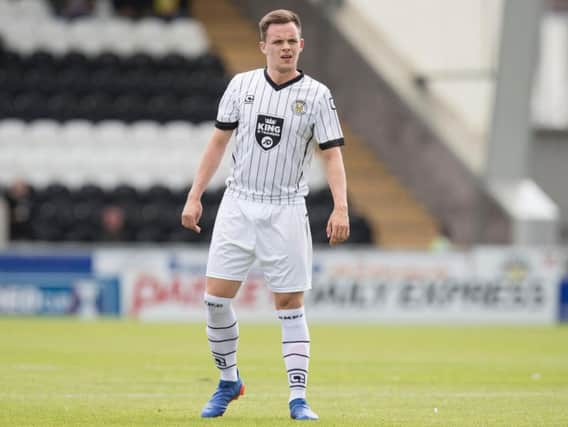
[(274, 113)]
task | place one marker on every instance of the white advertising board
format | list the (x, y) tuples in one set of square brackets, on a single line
[(485, 285)]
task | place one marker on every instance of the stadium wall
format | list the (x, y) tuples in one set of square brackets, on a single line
[(486, 285), (548, 165), (403, 140)]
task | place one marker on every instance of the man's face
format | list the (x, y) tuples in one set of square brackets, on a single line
[(282, 47)]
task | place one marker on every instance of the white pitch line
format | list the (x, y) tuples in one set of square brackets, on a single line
[(335, 393)]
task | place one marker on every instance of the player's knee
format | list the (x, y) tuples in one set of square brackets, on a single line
[(289, 301)]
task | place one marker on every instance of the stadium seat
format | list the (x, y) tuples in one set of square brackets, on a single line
[(41, 132), (145, 132), (12, 131), (75, 132), (110, 132), (53, 37), (84, 36)]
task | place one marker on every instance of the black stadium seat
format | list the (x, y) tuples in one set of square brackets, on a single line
[(89, 193), (39, 60), (28, 106), (107, 60), (61, 106), (124, 194), (107, 86), (94, 107), (153, 215), (128, 108), (141, 61), (74, 59)]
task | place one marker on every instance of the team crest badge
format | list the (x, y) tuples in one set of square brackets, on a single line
[(299, 107), (268, 131)]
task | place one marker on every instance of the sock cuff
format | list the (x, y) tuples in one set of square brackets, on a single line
[(215, 302), (293, 315)]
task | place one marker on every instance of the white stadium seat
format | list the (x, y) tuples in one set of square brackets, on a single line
[(188, 37), (43, 132), (84, 36), (26, 33), (110, 152), (148, 36), (145, 132), (30, 8), (110, 132), (178, 131), (75, 132), (12, 132), (20, 35), (117, 36), (52, 36)]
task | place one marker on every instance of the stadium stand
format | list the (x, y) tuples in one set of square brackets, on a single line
[(102, 122)]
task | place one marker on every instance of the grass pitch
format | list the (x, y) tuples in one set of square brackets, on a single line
[(56, 372)]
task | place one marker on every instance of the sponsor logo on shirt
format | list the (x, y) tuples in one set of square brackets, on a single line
[(268, 131)]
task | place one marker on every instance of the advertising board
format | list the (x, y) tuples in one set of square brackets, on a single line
[(485, 285), (54, 285)]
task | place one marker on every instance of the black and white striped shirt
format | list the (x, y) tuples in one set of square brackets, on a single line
[(274, 127)]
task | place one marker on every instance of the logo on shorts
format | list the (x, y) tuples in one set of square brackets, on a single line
[(268, 131), (299, 107)]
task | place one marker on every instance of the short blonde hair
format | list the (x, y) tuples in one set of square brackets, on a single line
[(279, 16)]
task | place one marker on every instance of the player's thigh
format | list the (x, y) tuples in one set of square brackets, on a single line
[(231, 252), (284, 250)]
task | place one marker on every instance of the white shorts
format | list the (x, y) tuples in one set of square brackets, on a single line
[(277, 235)]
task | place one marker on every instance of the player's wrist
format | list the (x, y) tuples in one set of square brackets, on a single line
[(194, 197), (341, 209)]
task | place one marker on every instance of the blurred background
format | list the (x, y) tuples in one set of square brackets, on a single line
[(455, 114)]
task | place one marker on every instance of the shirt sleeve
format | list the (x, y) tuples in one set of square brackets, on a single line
[(327, 128), (228, 112)]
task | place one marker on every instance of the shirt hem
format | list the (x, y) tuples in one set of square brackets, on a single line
[(295, 200)]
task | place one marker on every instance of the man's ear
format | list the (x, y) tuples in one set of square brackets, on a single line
[(301, 45), (262, 46)]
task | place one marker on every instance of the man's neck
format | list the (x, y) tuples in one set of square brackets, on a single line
[(281, 78)]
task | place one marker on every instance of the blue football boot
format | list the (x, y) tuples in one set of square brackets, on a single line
[(226, 392), (300, 410)]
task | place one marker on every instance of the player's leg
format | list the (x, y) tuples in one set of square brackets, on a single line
[(223, 336), (230, 256), (284, 250), (222, 325), (295, 351)]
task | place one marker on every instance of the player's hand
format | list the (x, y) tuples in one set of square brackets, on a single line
[(338, 226), (191, 215)]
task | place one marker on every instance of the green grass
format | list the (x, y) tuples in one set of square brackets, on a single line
[(56, 372)]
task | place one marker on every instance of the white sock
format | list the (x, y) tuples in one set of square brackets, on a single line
[(295, 350), (223, 335)]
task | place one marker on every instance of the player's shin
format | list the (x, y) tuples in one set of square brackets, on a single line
[(295, 350), (223, 335)]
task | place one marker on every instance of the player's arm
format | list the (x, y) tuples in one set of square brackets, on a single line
[(210, 161), (338, 223)]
